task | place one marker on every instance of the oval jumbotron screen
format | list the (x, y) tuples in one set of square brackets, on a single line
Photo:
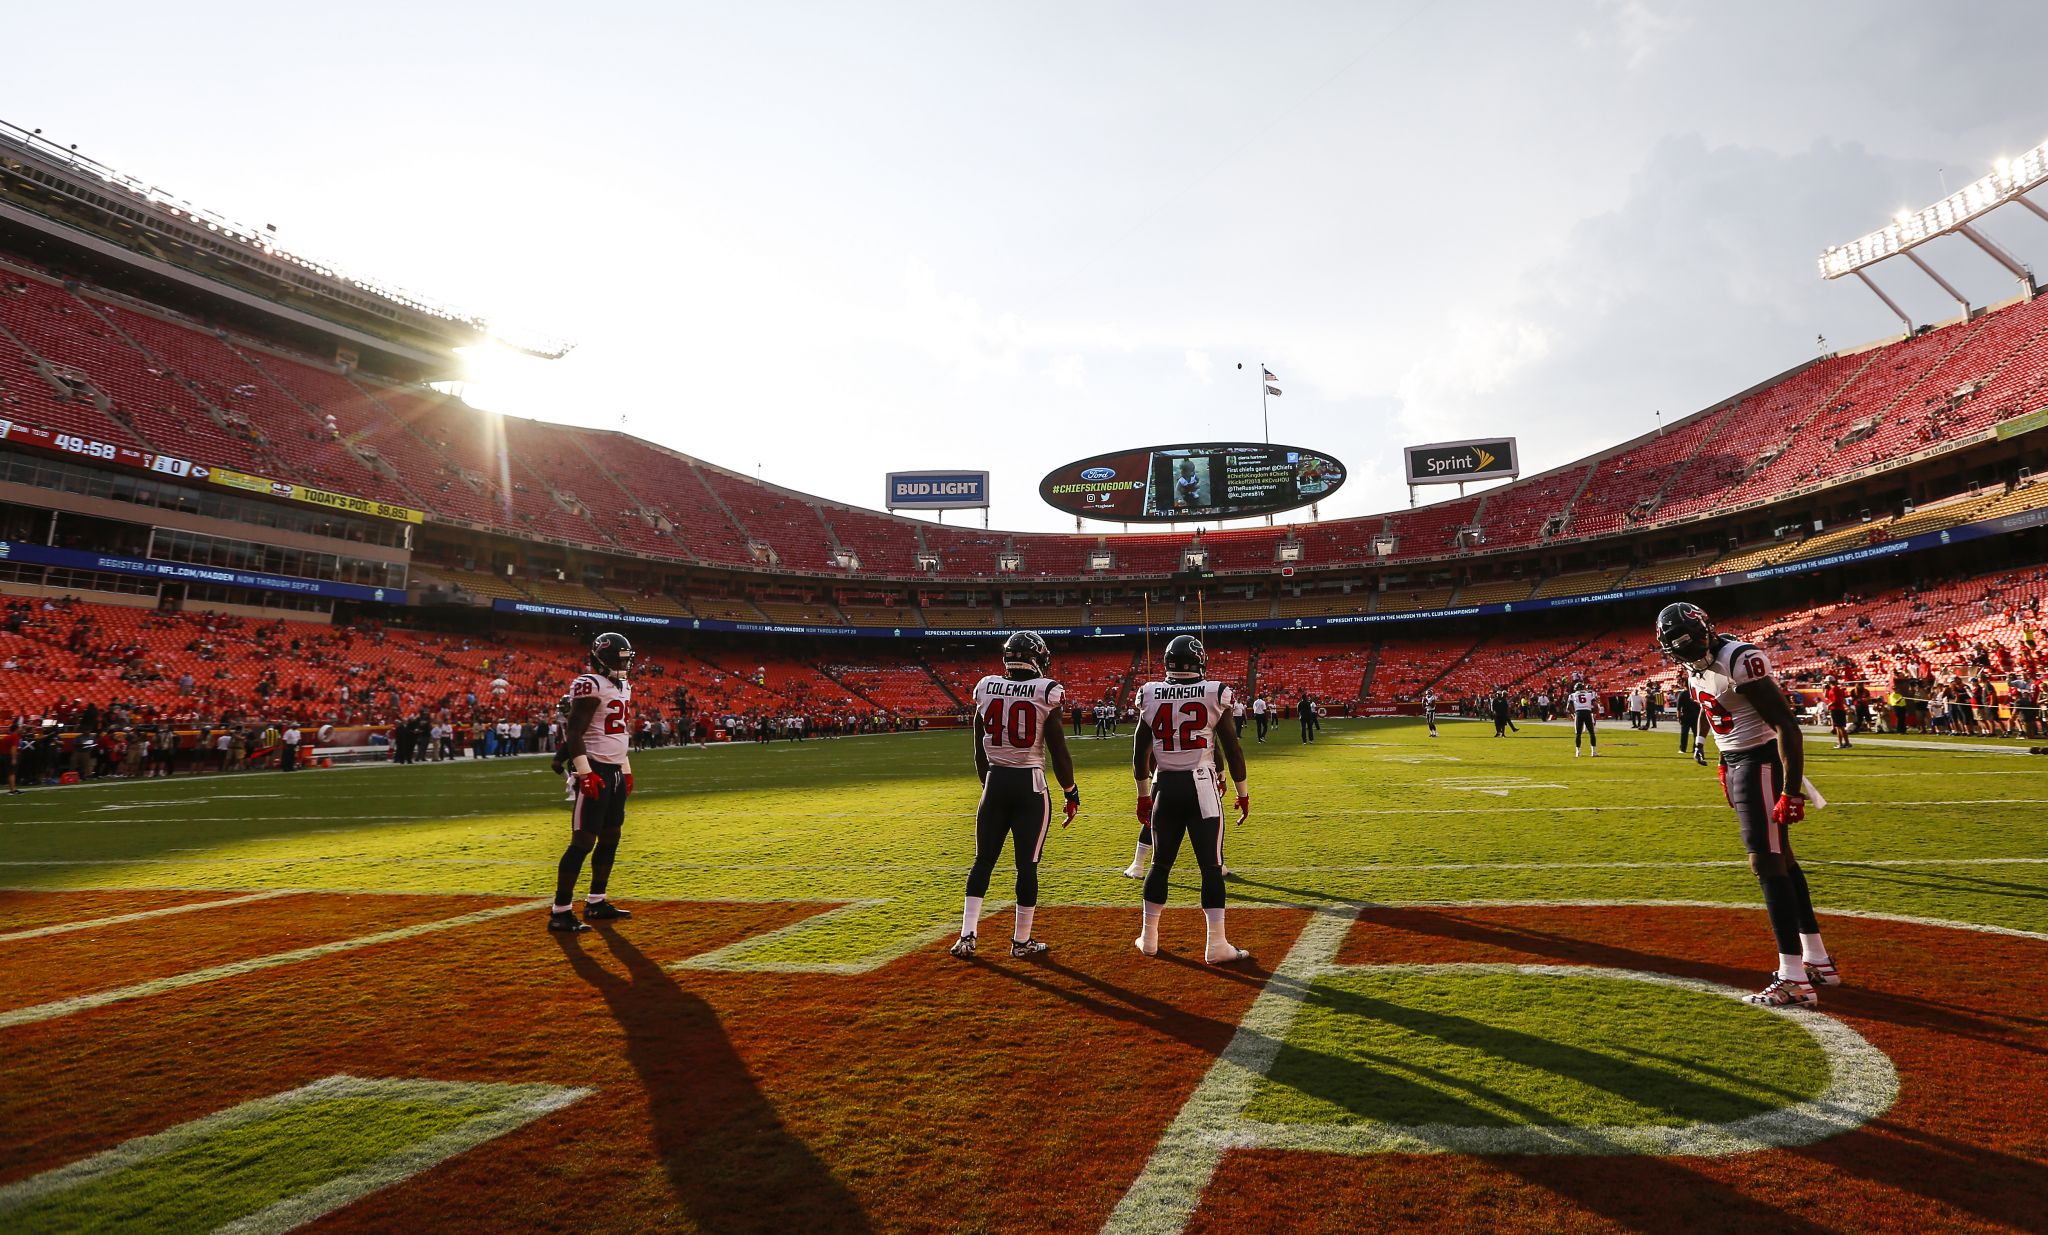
[(1199, 480)]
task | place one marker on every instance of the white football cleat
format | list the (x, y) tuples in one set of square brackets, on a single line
[(964, 949), (1823, 973), (1785, 993), (1022, 948), (1225, 954), (1134, 871), (1149, 949)]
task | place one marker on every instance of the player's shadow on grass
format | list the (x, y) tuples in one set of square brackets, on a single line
[(1909, 1010), (1107, 999), (1373, 1092), (1288, 896), (731, 1162), (1952, 882), (1555, 946), (2003, 1188), (1404, 1091)]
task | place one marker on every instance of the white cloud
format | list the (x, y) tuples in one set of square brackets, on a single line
[(1638, 29), (1199, 365)]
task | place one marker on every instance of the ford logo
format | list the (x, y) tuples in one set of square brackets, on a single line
[(1099, 473)]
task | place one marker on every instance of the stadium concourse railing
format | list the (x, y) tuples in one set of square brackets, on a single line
[(1919, 543)]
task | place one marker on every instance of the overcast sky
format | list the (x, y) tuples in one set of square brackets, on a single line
[(838, 239)]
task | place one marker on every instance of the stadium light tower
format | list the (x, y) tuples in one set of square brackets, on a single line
[(2009, 182)]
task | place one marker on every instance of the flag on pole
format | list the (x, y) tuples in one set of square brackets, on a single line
[(1267, 374), (1273, 390)]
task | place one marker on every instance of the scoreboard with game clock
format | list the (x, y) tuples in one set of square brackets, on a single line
[(1196, 480)]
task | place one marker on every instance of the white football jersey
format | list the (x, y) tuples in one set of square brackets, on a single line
[(1735, 721), (1183, 717), (611, 727), (1012, 713), (1585, 701)]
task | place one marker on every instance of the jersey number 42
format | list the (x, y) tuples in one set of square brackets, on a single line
[(1193, 732)]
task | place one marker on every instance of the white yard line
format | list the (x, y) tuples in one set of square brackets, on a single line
[(732, 958), (140, 916), (197, 977), (1163, 1198)]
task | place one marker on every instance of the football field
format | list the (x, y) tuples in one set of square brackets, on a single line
[(1493, 988)]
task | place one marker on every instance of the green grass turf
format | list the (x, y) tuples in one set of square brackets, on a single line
[(1376, 811), (1499, 1049), (238, 1171)]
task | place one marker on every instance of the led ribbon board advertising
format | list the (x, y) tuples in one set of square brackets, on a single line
[(1201, 480)]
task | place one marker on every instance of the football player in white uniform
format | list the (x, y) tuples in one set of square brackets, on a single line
[(1017, 725), (594, 750), (1178, 720), (1763, 763), (1429, 710), (1585, 711)]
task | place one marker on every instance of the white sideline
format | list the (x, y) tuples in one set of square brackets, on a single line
[(139, 916), (518, 1105), (178, 981)]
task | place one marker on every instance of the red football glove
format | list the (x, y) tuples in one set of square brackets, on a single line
[(1244, 807), (1791, 808), (1073, 806), (1723, 770), (629, 786), (1145, 811), (590, 785)]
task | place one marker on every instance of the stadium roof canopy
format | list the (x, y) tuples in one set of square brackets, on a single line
[(2008, 184), (54, 190)]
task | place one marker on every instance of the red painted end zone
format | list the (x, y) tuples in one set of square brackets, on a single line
[(931, 1095)]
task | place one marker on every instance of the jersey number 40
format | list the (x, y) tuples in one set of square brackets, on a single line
[(1019, 728), (1193, 732)]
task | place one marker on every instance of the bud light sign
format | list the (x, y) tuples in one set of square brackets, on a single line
[(937, 491)]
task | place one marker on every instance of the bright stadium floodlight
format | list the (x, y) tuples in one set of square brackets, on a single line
[(2009, 182)]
